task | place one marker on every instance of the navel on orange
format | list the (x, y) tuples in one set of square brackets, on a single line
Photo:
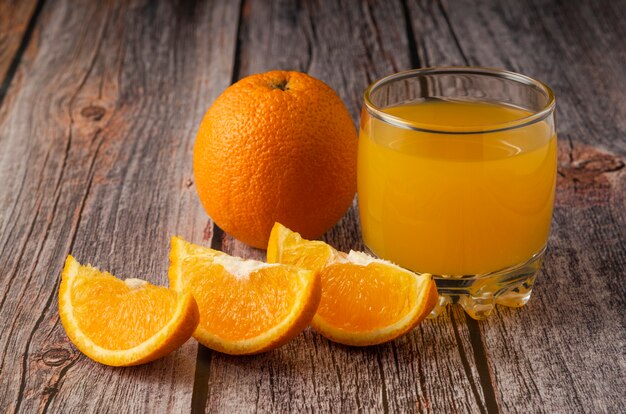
[(365, 301), (277, 146), (122, 323), (246, 306)]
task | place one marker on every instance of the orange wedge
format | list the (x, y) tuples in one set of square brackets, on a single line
[(365, 301), (246, 306), (122, 323)]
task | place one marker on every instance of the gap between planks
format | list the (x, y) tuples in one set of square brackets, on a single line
[(200, 394), (17, 57)]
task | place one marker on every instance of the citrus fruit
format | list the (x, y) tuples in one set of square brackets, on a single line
[(365, 301), (278, 146), (122, 323), (246, 306)]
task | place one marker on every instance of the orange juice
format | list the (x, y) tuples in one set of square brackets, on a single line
[(452, 203)]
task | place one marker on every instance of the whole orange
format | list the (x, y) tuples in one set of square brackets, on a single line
[(276, 147)]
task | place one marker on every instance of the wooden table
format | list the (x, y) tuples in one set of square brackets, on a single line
[(99, 106)]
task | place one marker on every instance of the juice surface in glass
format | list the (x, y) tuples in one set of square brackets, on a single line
[(456, 204)]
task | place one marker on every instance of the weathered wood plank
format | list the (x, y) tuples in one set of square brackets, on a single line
[(15, 19), (564, 351), (347, 46), (434, 42), (95, 159)]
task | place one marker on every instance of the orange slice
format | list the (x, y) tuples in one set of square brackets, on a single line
[(365, 301), (246, 306), (122, 323)]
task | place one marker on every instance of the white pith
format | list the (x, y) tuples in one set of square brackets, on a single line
[(361, 259), (134, 283), (240, 268)]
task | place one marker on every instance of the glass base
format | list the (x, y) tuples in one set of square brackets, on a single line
[(479, 294)]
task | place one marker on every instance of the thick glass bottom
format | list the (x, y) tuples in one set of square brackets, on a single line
[(478, 294)]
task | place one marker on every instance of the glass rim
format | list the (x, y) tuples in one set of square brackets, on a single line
[(537, 116)]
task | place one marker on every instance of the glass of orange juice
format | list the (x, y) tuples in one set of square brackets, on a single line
[(456, 177)]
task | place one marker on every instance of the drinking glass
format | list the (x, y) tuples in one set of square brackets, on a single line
[(456, 178)]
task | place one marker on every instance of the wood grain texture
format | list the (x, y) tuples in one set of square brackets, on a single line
[(15, 28), (347, 47), (95, 151), (564, 351)]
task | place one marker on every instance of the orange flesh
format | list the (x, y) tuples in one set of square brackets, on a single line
[(352, 297), (312, 256), (289, 247), (115, 316), (239, 309)]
